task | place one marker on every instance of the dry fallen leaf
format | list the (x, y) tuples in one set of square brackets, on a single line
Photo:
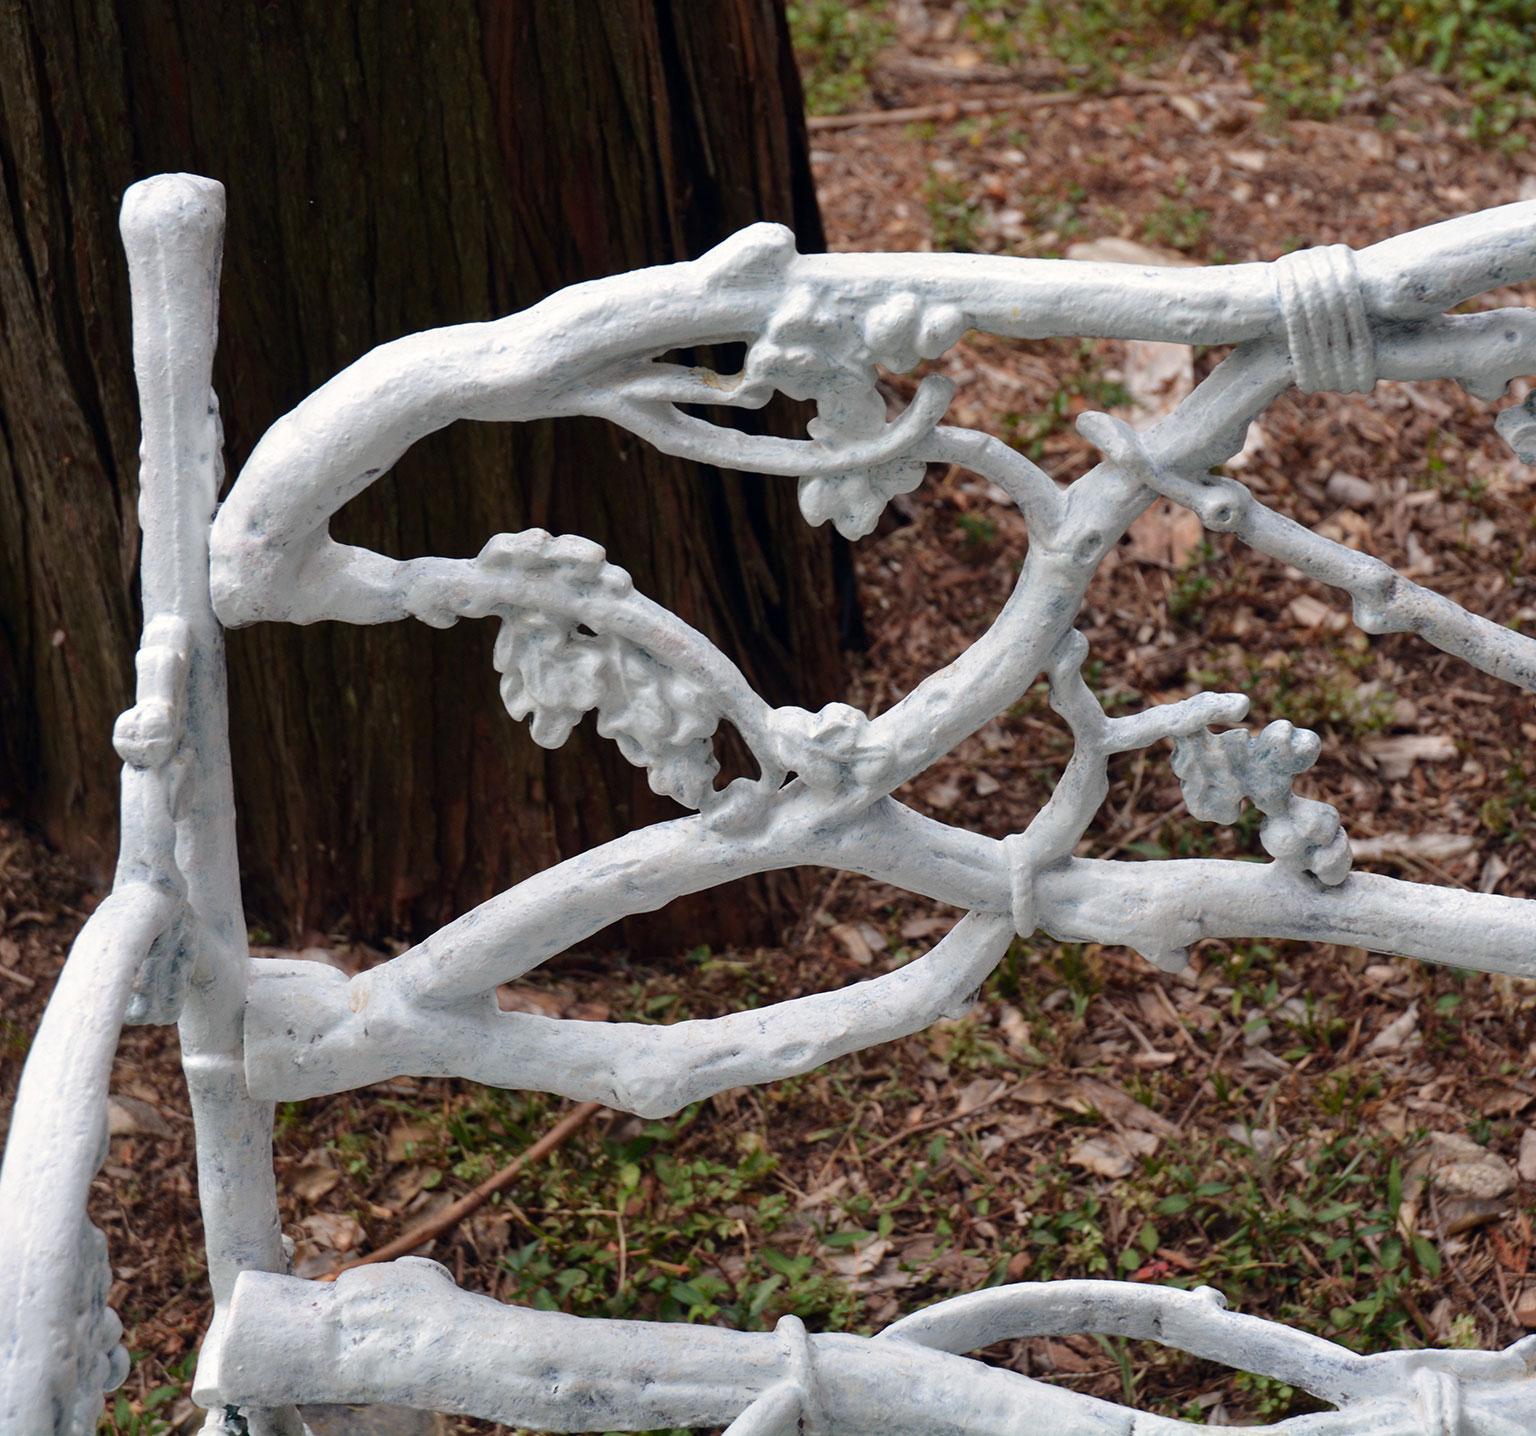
[(311, 1181), (1402, 1031), (130, 1117), (1063, 1357), (1525, 1307), (1189, 107), (1102, 1156), (406, 1141), (1114, 1154), (1261, 1140), (1093, 1094), (1158, 377), (1349, 490), (1396, 756), (1111, 249), (915, 928), (1462, 1183), (528, 999), (1437, 847), (1166, 535), (860, 940), (1015, 1030), (977, 1093), (406, 1184), (1312, 612), (942, 795), (335, 1230), (1503, 1101), (1526, 1163), (867, 1268)]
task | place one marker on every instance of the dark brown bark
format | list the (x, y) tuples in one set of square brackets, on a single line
[(389, 167)]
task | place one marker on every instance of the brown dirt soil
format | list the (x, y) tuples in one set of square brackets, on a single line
[(1258, 1121)]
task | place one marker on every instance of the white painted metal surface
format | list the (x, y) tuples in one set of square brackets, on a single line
[(575, 637)]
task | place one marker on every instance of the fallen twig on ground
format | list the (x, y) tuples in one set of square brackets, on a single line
[(454, 1213), (991, 105)]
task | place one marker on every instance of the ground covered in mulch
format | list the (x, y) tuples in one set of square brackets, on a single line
[(1338, 1140)]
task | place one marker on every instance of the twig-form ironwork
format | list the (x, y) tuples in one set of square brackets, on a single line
[(574, 637)]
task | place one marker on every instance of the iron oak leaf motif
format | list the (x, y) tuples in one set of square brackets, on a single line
[(554, 670), (1217, 771), (813, 348), (561, 661)]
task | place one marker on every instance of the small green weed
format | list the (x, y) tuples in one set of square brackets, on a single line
[(1327, 700), (980, 532), (15, 1040), (147, 1415), (1192, 586), (1177, 225), (1083, 387), (1440, 474), (1304, 59), (637, 1225), (953, 216), (836, 44), (1508, 815), (149, 1419)]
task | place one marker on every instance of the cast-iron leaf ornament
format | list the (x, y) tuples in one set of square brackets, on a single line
[(575, 637)]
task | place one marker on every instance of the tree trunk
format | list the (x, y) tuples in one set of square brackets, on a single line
[(390, 167)]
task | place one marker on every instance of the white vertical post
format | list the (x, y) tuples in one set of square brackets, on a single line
[(173, 229)]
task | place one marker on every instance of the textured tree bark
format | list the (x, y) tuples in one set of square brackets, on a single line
[(390, 167)]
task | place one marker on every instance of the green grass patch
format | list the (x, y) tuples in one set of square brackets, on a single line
[(836, 44), (1304, 59)]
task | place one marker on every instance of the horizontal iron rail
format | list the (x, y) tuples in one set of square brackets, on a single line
[(404, 1333)]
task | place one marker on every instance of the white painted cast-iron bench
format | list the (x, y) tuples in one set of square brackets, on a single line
[(168, 944)]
